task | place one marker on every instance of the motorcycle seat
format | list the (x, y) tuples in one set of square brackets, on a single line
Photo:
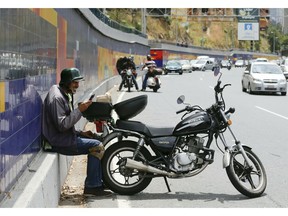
[(144, 129)]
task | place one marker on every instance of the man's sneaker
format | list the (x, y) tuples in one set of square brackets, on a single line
[(143, 89), (97, 191)]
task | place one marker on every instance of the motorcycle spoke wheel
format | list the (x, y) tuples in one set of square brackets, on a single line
[(116, 176), (250, 181)]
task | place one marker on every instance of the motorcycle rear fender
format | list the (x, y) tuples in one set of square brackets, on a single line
[(227, 156), (112, 136)]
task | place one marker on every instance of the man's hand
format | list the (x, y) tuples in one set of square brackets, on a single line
[(84, 105)]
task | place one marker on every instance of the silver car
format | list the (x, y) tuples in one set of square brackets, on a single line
[(186, 66), (284, 68), (264, 77), (203, 64)]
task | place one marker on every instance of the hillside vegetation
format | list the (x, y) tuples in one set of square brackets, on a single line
[(204, 33)]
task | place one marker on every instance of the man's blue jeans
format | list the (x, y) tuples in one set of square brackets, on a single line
[(94, 169)]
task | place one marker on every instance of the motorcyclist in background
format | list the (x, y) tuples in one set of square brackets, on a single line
[(150, 73), (147, 61), (122, 66)]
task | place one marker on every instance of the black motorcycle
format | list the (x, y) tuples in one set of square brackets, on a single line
[(127, 78), (229, 66), (176, 152)]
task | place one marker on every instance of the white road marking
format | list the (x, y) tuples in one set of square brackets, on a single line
[(122, 201), (273, 113)]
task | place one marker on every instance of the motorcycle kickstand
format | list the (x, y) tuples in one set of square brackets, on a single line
[(166, 182)]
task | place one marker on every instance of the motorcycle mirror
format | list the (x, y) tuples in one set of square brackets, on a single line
[(181, 99)]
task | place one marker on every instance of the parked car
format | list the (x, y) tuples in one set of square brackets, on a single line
[(173, 66), (203, 64), (186, 66), (264, 77), (239, 63)]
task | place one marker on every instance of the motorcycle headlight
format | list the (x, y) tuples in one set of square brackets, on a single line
[(129, 72)]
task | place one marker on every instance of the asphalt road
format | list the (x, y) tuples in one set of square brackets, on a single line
[(260, 121)]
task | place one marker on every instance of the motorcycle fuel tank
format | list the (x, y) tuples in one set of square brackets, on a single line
[(196, 123)]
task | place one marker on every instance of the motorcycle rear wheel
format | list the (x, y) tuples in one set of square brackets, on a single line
[(155, 89), (251, 182), (122, 180)]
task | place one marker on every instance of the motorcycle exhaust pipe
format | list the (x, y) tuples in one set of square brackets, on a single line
[(146, 168)]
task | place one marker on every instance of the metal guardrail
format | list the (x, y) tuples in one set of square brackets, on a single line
[(113, 24), (155, 43)]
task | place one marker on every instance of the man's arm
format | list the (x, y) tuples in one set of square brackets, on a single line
[(61, 116)]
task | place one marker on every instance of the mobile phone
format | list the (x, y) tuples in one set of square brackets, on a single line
[(92, 96)]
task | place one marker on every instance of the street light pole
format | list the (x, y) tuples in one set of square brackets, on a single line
[(276, 40), (273, 41), (143, 20)]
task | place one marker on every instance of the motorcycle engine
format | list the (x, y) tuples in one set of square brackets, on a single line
[(186, 155)]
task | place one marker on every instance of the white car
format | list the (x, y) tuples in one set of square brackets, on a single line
[(284, 67), (239, 63), (285, 71), (264, 77), (203, 64), (261, 60), (186, 66)]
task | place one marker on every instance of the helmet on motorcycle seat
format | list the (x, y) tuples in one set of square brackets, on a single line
[(69, 75)]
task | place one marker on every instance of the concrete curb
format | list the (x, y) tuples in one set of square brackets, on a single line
[(40, 184)]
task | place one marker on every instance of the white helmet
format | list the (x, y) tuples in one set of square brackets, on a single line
[(150, 64)]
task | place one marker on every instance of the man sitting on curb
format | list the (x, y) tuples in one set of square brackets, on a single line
[(58, 129)]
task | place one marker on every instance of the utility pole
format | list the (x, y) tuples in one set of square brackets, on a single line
[(144, 21), (273, 42)]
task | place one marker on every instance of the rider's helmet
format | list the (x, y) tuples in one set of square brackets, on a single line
[(149, 57), (69, 75), (150, 64), (131, 57)]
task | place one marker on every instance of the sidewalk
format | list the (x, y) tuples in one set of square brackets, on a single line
[(72, 190)]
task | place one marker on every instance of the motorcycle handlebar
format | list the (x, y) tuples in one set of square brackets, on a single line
[(181, 111), (230, 110), (218, 89), (187, 108)]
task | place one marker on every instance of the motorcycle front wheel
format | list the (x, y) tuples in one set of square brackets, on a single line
[(122, 180), (129, 84), (250, 181)]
